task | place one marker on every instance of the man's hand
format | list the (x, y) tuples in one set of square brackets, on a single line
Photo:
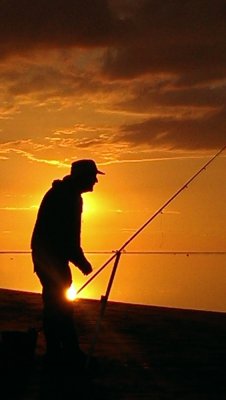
[(86, 268)]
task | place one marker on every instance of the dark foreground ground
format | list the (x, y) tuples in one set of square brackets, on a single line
[(143, 352)]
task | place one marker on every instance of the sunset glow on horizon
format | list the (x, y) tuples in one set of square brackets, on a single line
[(140, 87)]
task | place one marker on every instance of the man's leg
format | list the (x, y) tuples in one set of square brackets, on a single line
[(58, 321), (59, 327), (69, 339)]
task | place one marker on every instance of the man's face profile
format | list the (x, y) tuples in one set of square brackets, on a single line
[(87, 182)]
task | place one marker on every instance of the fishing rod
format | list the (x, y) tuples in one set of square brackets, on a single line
[(159, 211)]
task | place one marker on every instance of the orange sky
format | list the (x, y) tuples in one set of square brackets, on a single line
[(139, 87)]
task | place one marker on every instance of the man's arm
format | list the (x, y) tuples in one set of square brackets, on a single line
[(77, 256), (81, 262)]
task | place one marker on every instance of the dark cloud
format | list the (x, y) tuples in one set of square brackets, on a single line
[(30, 25), (146, 96), (176, 134), (184, 38)]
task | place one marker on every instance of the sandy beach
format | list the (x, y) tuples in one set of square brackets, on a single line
[(142, 352)]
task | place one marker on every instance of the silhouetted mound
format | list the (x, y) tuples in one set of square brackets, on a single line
[(142, 352)]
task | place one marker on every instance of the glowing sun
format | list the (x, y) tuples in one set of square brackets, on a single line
[(71, 293)]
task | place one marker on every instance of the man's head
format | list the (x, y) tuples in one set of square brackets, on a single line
[(84, 172)]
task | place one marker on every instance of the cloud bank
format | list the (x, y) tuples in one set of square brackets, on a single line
[(159, 67)]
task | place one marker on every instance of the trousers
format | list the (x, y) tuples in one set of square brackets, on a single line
[(58, 313)]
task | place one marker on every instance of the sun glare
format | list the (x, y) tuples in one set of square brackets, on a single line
[(71, 293), (89, 203)]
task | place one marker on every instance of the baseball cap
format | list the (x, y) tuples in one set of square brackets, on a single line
[(84, 167)]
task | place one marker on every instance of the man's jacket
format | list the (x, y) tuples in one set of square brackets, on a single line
[(58, 226)]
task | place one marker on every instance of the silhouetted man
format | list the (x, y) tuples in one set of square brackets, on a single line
[(55, 242)]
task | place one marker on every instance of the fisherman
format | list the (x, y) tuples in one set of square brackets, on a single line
[(56, 242)]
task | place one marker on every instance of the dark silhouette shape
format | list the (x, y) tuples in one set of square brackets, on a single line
[(17, 353), (55, 242)]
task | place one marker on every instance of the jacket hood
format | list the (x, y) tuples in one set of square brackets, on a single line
[(56, 183), (67, 183)]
